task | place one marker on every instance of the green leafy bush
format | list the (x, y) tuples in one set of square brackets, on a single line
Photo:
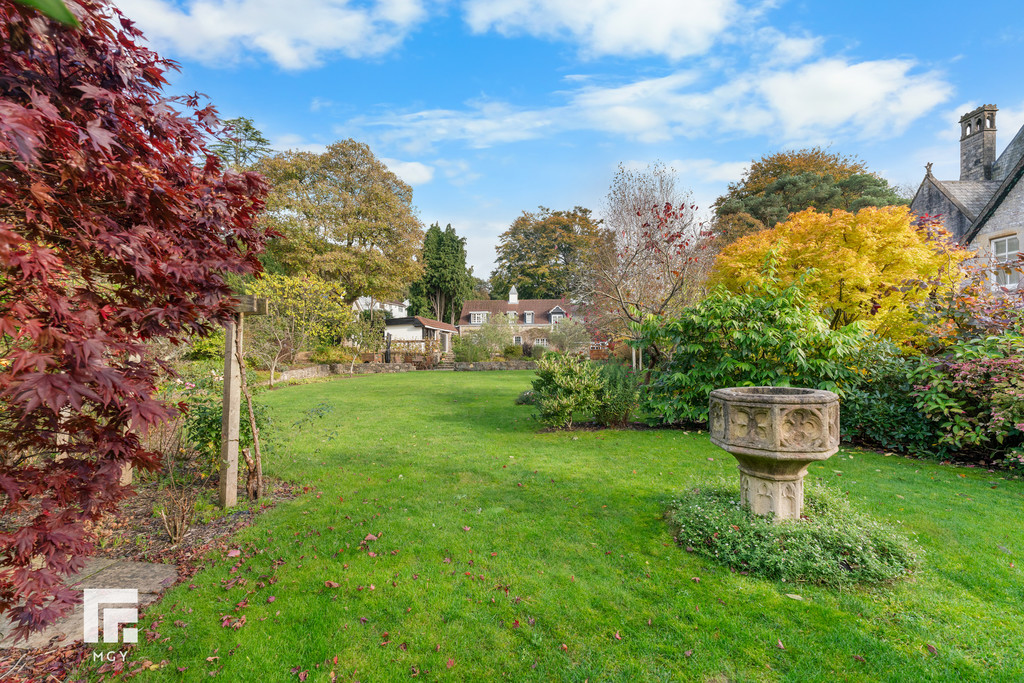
[(527, 398), (512, 352), (203, 398), (210, 347), (975, 394), (619, 395), (566, 384), (468, 351), (762, 337), (882, 408), (327, 353), (834, 546)]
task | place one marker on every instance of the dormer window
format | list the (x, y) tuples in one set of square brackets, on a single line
[(478, 317), (556, 318), (528, 315), (512, 316)]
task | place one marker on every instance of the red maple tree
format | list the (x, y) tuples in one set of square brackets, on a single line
[(116, 227)]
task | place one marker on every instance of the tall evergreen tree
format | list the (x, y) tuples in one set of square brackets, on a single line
[(445, 282)]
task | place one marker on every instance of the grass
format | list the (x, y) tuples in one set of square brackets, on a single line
[(483, 522)]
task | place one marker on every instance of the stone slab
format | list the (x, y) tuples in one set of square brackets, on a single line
[(150, 579)]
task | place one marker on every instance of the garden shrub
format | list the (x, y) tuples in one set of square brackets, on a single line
[(619, 396), (203, 400), (210, 347), (834, 545), (527, 398), (468, 351), (763, 337), (975, 395), (882, 409), (327, 353), (565, 384), (512, 352)]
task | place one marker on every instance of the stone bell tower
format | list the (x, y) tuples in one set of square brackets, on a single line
[(978, 143)]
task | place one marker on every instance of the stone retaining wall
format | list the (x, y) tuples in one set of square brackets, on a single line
[(342, 369), (498, 365)]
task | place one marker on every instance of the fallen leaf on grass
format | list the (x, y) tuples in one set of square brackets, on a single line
[(332, 584), (688, 653), (780, 645), (617, 636), (451, 663), (859, 658), (794, 596), (466, 528), (234, 552), (932, 649)]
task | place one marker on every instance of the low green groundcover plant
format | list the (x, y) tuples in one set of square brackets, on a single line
[(833, 546)]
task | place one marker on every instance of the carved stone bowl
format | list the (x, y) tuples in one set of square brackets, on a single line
[(774, 433)]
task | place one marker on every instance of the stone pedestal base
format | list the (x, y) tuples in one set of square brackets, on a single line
[(782, 497)]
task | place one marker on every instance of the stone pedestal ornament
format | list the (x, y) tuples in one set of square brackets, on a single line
[(774, 433)]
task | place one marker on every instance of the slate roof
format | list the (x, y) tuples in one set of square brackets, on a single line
[(972, 194), (541, 309), (420, 321)]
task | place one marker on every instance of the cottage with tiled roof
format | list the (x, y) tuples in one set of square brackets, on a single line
[(417, 328), (533, 317), (984, 209)]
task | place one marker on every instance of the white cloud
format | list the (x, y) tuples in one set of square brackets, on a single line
[(412, 172), (672, 28), (806, 104), (295, 35), (297, 143), (709, 170)]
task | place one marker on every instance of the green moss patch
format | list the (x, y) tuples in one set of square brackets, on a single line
[(834, 545)]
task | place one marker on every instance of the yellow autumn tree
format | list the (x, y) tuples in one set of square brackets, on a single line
[(875, 266)]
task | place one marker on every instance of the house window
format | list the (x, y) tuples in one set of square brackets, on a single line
[(512, 316), (529, 317), (556, 318), (517, 340), (1006, 249), (478, 318), (540, 342)]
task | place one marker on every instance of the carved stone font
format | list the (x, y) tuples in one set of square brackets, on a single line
[(774, 433)]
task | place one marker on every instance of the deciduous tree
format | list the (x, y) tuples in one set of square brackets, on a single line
[(546, 253), (304, 311), (346, 217), (117, 227), (876, 266), (782, 183), (659, 257)]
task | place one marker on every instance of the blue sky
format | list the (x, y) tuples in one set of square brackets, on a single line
[(491, 107)]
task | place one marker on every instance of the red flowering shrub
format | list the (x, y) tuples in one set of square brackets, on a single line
[(116, 227), (976, 395)]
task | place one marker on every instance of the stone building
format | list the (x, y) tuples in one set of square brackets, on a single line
[(533, 318), (984, 209)]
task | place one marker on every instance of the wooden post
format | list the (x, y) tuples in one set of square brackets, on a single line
[(232, 406)]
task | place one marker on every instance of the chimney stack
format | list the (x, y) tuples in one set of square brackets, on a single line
[(978, 143)]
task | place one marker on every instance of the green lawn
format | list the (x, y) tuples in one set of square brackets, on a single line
[(498, 544)]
